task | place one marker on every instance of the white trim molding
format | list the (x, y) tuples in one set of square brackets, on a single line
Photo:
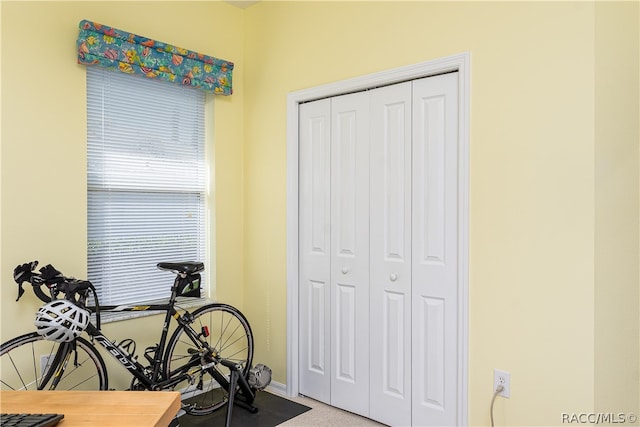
[(459, 63), (277, 388)]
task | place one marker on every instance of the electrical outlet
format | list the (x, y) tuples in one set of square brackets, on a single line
[(502, 378)]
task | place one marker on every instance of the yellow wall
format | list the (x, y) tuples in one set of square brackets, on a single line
[(616, 182), (44, 132), (532, 203), (552, 173)]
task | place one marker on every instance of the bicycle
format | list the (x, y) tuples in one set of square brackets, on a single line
[(208, 356)]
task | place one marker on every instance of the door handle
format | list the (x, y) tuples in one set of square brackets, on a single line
[(345, 270), (393, 277)]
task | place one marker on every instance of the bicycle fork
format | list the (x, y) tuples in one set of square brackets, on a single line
[(55, 369)]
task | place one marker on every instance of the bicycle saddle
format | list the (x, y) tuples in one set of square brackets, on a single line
[(186, 267)]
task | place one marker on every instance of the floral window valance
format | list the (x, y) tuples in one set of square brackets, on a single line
[(129, 53)]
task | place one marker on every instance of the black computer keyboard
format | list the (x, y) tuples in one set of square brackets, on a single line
[(30, 420)]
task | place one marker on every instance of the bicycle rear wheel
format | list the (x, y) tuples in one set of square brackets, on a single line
[(230, 338), (29, 362)]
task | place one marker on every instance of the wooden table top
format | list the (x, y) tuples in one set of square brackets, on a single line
[(97, 408)]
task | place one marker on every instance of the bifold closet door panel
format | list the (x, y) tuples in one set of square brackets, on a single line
[(315, 249), (378, 252), (435, 250), (350, 252), (390, 254)]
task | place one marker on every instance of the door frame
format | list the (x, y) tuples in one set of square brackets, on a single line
[(459, 63)]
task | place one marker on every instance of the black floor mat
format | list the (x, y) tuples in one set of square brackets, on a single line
[(272, 410)]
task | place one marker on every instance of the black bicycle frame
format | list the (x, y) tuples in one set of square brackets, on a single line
[(156, 381)]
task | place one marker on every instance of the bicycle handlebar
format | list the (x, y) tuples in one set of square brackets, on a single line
[(53, 279)]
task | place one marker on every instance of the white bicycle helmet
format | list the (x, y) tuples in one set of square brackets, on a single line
[(61, 320)]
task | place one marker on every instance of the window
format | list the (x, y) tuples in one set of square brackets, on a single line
[(147, 183)]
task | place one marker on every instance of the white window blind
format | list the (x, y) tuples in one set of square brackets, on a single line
[(147, 183)]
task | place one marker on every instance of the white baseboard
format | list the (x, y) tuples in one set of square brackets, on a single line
[(277, 388)]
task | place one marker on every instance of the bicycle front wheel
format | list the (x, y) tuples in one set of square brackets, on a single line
[(229, 337), (29, 362)]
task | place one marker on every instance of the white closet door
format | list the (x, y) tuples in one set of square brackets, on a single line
[(435, 250), (350, 252), (315, 250), (390, 255), (378, 251)]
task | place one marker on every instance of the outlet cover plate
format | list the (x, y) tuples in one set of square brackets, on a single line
[(502, 378)]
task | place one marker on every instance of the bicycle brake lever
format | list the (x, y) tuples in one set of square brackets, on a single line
[(20, 291), (23, 273)]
